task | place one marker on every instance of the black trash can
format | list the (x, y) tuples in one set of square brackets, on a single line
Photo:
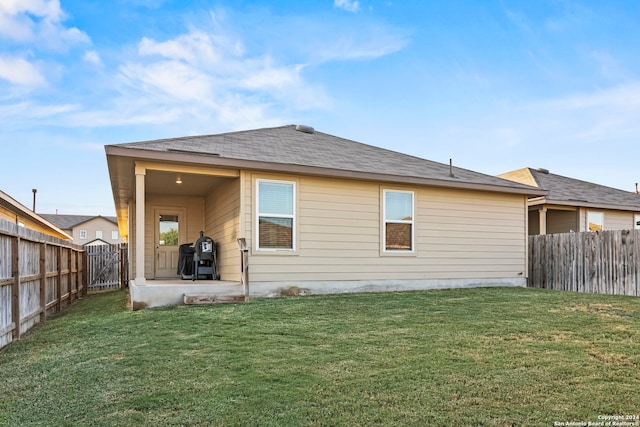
[(186, 252)]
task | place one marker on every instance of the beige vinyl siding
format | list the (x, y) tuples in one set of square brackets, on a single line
[(469, 234), (9, 215), (222, 212), (459, 234), (618, 220), (613, 219), (93, 225), (28, 223)]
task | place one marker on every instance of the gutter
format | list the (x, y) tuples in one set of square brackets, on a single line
[(539, 201)]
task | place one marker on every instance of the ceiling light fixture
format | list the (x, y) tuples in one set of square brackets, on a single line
[(179, 180)]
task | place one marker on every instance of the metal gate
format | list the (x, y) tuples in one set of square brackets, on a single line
[(107, 266)]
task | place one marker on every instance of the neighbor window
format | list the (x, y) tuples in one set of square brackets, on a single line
[(636, 222), (398, 220), (114, 235), (595, 221), (276, 214), (98, 234), (83, 234)]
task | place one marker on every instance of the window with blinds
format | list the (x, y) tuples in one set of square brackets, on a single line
[(398, 220), (276, 214)]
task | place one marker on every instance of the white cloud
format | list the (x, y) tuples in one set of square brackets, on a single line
[(92, 57), (348, 5), (361, 45), (173, 78), (38, 21), (38, 26), (207, 78), (205, 75), (21, 72), (273, 77), (622, 97)]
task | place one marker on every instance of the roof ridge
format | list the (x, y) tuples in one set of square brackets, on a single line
[(180, 138), (286, 145), (582, 181)]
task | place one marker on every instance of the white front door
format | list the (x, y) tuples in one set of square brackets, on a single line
[(168, 235)]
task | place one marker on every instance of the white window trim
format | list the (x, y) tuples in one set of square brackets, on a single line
[(293, 217), (83, 234), (384, 222), (586, 223), (636, 222)]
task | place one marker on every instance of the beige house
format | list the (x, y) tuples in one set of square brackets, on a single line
[(572, 205), (16, 213), (319, 214), (86, 228)]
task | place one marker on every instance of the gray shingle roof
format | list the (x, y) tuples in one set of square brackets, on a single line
[(67, 222), (576, 192), (288, 146)]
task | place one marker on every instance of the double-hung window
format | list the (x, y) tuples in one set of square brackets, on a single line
[(636, 222), (398, 221), (276, 214)]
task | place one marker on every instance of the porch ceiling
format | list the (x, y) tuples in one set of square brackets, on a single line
[(197, 180), (160, 182)]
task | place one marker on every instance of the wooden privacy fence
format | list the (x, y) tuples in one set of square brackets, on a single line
[(39, 276), (605, 262), (107, 266)]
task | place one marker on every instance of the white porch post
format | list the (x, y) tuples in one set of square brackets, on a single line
[(542, 213), (140, 205)]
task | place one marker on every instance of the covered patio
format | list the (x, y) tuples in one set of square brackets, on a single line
[(162, 205)]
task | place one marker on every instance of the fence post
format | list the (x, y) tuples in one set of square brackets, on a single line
[(69, 276), (43, 281), (85, 273), (121, 264), (605, 262), (59, 282), (244, 266), (15, 288)]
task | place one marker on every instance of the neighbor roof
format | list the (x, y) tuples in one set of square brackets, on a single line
[(25, 214), (67, 222), (574, 192), (318, 152)]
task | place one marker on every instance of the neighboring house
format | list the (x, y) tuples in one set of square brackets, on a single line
[(574, 205), (86, 228), (14, 212), (318, 212), (98, 242)]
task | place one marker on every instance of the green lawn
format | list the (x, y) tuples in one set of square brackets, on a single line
[(491, 357)]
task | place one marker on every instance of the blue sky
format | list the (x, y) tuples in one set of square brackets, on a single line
[(495, 85)]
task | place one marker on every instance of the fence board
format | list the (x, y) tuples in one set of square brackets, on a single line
[(606, 262), (106, 264), (31, 278)]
